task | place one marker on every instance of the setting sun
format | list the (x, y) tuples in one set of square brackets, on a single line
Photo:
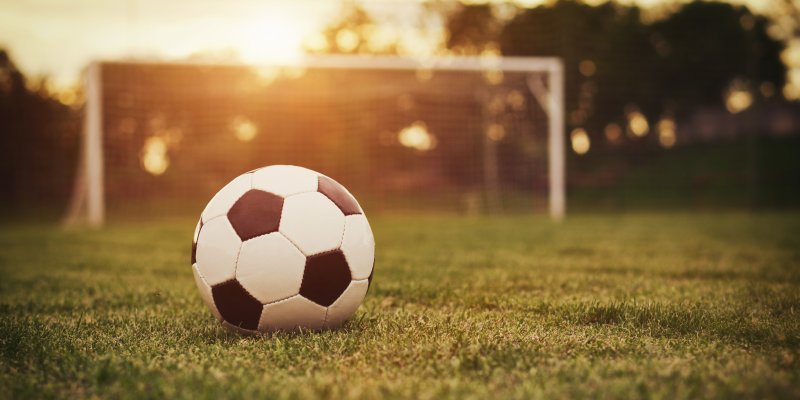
[(247, 31), (272, 38)]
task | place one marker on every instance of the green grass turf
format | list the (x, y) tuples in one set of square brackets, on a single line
[(628, 306)]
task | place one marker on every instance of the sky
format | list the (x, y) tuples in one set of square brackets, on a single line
[(58, 38)]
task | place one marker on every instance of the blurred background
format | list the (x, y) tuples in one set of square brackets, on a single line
[(668, 104)]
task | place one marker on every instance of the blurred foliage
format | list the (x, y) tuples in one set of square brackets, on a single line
[(672, 66), (717, 42), (472, 27), (350, 33), (38, 140), (615, 61)]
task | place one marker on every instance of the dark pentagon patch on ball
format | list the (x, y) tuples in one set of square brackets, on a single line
[(236, 305), (194, 243), (325, 278), (369, 279), (338, 194), (256, 213)]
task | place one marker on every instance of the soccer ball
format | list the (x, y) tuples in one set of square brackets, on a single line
[(283, 248)]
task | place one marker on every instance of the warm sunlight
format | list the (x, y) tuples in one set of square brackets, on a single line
[(246, 31), (272, 38)]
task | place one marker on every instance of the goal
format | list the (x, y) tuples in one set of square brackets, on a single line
[(455, 133)]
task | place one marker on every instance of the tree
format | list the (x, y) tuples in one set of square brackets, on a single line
[(616, 62), (471, 27), (38, 138), (352, 32), (606, 51), (707, 45)]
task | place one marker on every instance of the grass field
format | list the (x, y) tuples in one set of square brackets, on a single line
[(628, 306)]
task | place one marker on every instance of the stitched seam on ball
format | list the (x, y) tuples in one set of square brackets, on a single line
[(210, 219), (236, 278), (213, 305), (236, 265), (338, 248), (341, 242), (200, 274), (322, 253), (297, 193), (270, 233), (293, 243), (288, 195), (239, 327), (281, 299), (344, 232), (251, 295)]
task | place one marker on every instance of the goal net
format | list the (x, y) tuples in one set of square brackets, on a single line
[(454, 134)]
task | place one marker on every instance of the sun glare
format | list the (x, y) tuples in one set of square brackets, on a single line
[(270, 39), (317, 42)]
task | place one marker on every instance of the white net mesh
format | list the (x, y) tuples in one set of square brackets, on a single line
[(400, 139)]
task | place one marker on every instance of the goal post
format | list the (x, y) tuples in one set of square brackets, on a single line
[(556, 150), (543, 79), (87, 203)]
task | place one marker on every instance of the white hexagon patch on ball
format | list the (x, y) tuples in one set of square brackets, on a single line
[(283, 248)]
